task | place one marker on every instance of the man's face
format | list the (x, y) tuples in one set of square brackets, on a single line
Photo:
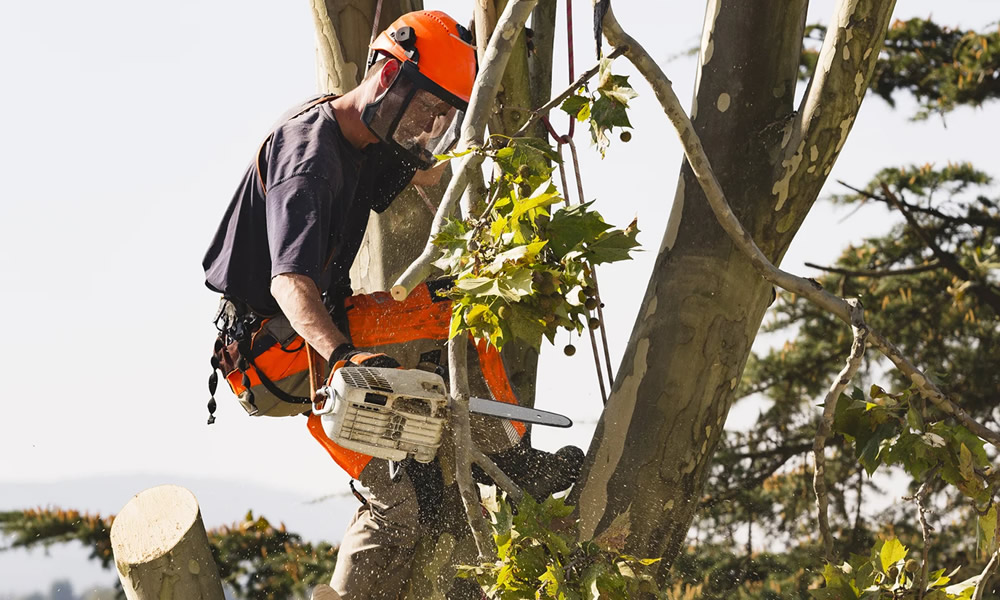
[(411, 116), (426, 121)]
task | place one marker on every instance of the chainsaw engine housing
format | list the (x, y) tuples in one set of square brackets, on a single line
[(386, 413)]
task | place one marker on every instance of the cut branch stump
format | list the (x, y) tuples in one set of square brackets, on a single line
[(161, 548)]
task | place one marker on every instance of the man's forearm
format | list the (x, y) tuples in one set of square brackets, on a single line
[(300, 302)]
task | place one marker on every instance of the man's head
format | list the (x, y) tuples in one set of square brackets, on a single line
[(422, 76)]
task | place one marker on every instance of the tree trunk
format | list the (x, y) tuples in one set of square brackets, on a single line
[(704, 302), (161, 548)]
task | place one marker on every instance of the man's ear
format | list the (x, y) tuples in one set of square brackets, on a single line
[(388, 74)]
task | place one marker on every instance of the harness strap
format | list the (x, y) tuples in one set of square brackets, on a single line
[(268, 385)]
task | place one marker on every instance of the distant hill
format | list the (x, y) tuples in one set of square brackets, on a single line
[(322, 516)]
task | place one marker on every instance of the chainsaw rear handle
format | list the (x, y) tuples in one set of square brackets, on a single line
[(328, 405)]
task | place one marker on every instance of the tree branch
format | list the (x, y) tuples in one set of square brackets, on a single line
[(833, 97), (988, 571), (420, 269), (878, 273), (925, 530), (484, 93), (968, 219), (948, 260), (543, 110), (785, 451), (826, 424), (514, 491), (697, 159), (462, 431)]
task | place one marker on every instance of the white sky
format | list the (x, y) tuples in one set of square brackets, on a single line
[(126, 127)]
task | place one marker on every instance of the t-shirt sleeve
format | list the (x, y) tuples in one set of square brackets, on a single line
[(298, 225)]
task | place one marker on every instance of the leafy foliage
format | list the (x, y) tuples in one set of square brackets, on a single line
[(605, 108), (33, 528), (897, 429), (265, 562), (539, 557), (887, 573), (524, 268), (941, 67), (256, 559), (759, 493)]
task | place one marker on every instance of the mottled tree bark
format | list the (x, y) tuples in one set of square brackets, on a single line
[(704, 302)]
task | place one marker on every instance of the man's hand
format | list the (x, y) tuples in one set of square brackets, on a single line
[(347, 355), (299, 300)]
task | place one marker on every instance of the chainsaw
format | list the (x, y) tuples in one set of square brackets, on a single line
[(395, 413)]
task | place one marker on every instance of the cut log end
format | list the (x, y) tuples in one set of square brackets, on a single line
[(152, 523), (161, 549), (399, 292)]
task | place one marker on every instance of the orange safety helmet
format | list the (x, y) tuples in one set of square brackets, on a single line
[(419, 115)]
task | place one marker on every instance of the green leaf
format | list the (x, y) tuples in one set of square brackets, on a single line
[(617, 88), (532, 152), (517, 284), (451, 155), (525, 253), (572, 225), (574, 104), (479, 286), (552, 580), (937, 578), (988, 529), (613, 246), (913, 419), (607, 113), (892, 552), (538, 200), (868, 445), (965, 466), (837, 585), (555, 508)]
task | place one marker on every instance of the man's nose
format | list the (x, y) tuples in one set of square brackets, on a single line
[(429, 124)]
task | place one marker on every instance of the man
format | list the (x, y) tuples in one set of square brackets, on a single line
[(282, 255)]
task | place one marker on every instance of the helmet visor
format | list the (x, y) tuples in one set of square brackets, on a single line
[(428, 126), (416, 117)]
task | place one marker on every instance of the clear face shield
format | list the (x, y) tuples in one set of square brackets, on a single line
[(416, 117)]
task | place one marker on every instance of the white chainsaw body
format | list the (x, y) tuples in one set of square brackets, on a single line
[(386, 413)]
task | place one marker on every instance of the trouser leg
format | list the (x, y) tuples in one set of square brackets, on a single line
[(373, 562)]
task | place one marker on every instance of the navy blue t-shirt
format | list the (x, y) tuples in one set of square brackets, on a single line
[(310, 222)]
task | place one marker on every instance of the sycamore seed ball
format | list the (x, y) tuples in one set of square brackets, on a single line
[(625, 136), (569, 350)]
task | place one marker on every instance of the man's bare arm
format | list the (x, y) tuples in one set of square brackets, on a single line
[(300, 301)]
